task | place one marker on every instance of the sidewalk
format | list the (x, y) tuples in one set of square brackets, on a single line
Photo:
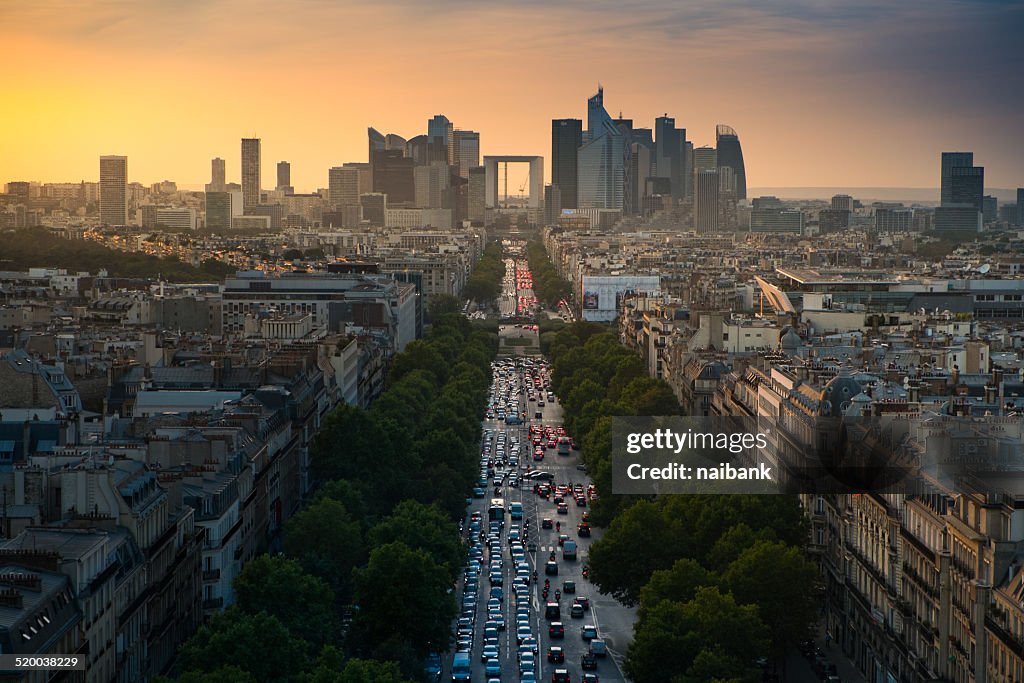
[(800, 670)]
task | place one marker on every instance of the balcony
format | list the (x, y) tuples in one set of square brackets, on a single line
[(213, 603), (211, 574)]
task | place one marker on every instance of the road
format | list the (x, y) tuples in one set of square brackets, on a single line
[(614, 622)]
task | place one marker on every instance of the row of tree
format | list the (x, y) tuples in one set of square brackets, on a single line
[(721, 581), (24, 249), (484, 284), (548, 285), (380, 539)]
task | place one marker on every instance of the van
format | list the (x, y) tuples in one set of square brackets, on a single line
[(569, 550), (462, 670), (516, 510)]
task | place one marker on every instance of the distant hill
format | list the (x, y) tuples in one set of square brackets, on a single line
[(920, 195)]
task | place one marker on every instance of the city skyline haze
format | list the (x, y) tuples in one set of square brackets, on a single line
[(820, 93)]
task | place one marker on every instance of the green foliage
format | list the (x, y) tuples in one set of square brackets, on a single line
[(548, 285), (235, 640), (24, 249), (327, 541), (303, 603), (357, 671), (781, 582), (708, 638), (403, 593), (423, 527), (441, 304), (225, 674), (484, 284)]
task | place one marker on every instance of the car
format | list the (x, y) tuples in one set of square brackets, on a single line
[(560, 676), (589, 678), (576, 611), (556, 655), (581, 501), (489, 652), (583, 600), (568, 586), (563, 509), (492, 667), (556, 630), (588, 662), (583, 530), (546, 523), (562, 538), (479, 492), (588, 632), (551, 569), (598, 647), (432, 667), (522, 633)]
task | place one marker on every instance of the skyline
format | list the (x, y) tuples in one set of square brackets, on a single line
[(796, 81)]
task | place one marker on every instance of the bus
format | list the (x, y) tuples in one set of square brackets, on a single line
[(496, 512), (564, 445)]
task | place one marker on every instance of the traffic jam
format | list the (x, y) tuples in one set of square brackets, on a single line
[(525, 614)]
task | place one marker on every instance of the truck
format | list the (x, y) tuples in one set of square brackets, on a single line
[(569, 550), (462, 671)]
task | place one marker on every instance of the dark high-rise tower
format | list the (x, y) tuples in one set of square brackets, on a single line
[(730, 154), (284, 176), (669, 153), (951, 160), (566, 138), (962, 181), (250, 172)]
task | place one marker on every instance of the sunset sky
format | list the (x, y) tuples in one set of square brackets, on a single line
[(821, 92)]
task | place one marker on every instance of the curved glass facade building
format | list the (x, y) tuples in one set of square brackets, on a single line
[(731, 154)]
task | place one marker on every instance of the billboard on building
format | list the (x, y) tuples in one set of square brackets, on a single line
[(602, 294)]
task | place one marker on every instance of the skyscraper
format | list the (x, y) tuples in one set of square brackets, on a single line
[(377, 143), (219, 210), (250, 172), (392, 175), (217, 176), (705, 159), (842, 202), (730, 155), (430, 184), (284, 176), (601, 160), (439, 139), (669, 153), (467, 151), (951, 160), (967, 186), (477, 194), (114, 190), (705, 200), (1020, 206), (566, 139), (343, 186)]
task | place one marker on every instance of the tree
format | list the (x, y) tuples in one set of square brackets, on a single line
[(347, 445), (403, 593), (442, 303), (327, 542), (710, 637), (421, 354), (357, 671), (225, 674), (678, 584), (781, 582), (423, 527), (235, 639), (279, 586), (637, 543)]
